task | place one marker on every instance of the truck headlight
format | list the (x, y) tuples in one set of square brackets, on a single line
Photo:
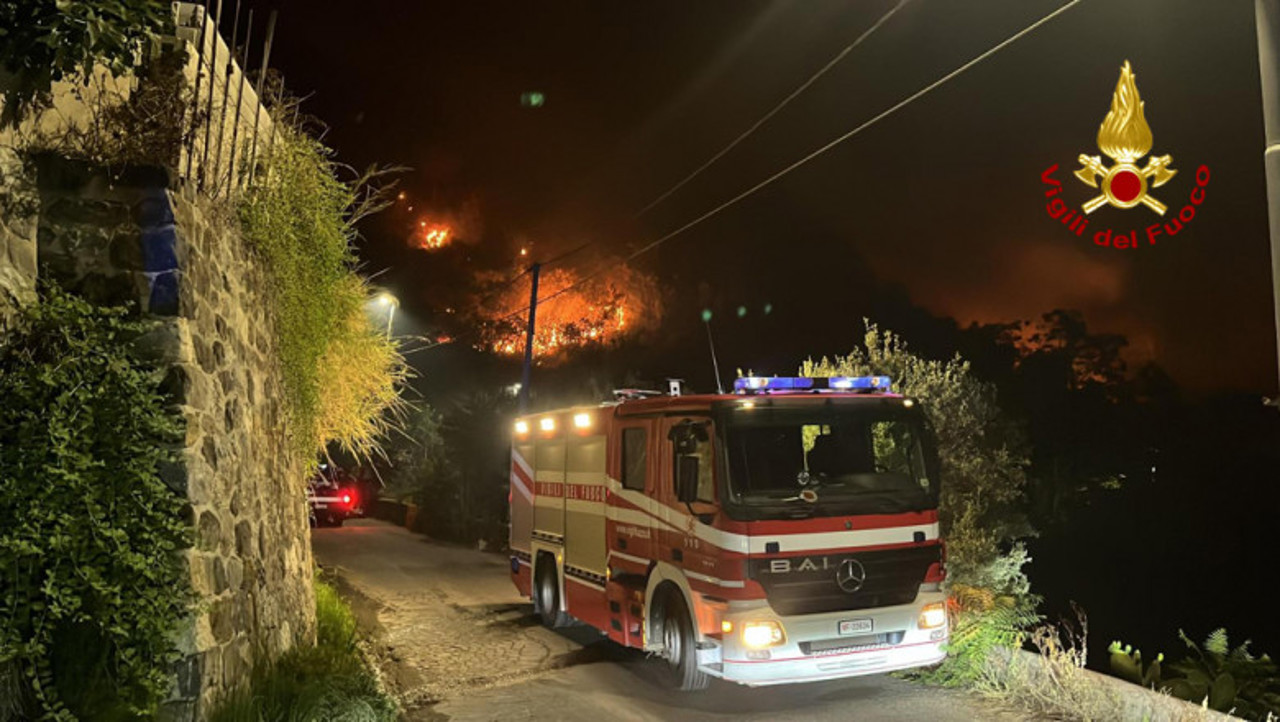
[(766, 633), (933, 615)]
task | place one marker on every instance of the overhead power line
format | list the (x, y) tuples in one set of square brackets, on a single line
[(774, 111), (798, 163)]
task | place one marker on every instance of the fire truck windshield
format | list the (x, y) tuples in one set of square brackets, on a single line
[(828, 458)]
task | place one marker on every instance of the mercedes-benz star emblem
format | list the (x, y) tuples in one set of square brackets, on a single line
[(850, 575)]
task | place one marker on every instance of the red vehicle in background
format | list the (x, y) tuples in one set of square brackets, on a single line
[(333, 497)]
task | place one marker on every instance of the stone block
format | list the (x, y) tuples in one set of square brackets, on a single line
[(236, 664), (166, 342), (244, 538), (219, 575), (22, 256), (235, 574), (209, 450), (189, 671), (201, 581), (175, 384), (125, 252), (209, 531), (222, 620)]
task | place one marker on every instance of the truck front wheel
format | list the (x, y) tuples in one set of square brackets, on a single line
[(680, 644)]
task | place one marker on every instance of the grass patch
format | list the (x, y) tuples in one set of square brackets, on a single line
[(330, 681)]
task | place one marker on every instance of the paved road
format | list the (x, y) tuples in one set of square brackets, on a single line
[(455, 642)]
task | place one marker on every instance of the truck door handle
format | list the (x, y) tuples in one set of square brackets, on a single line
[(677, 555)]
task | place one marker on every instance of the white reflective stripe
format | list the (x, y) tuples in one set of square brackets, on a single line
[(841, 539), (524, 465), (326, 499), (629, 558), (634, 516), (713, 580), (743, 544), (518, 484), (583, 506)]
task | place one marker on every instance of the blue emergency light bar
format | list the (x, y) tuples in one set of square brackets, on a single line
[(748, 384)]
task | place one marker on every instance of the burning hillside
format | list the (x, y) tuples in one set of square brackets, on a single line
[(600, 311)]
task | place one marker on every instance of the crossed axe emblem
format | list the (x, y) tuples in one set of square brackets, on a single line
[(1157, 172)]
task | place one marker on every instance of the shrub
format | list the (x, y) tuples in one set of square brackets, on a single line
[(983, 473), (454, 466), (328, 681), (45, 41), (1213, 674), (92, 587)]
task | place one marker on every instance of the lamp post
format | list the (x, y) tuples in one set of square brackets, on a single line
[(391, 303)]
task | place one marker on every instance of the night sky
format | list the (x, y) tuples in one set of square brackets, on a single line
[(938, 207)]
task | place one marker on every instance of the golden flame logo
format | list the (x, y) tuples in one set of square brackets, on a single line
[(1125, 137)]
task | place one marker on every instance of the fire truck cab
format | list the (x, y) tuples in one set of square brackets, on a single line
[(787, 532)]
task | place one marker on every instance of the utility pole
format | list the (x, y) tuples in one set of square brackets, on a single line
[(528, 337), (1267, 13)]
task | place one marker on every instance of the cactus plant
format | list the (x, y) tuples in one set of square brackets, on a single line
[(1126, 663)]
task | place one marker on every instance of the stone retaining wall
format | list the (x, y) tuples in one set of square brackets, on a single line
[(129, 237)]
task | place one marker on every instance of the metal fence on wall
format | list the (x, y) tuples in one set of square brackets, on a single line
[(230, 128)]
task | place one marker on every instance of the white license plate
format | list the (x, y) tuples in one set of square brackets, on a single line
[(855, 626)]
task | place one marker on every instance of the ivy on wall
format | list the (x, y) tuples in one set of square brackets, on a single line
[(92, 584)]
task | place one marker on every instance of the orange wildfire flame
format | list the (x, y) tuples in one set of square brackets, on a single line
[(431, 237), (599, 312)]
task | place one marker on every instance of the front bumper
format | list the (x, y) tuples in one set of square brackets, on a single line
[(815, 650)]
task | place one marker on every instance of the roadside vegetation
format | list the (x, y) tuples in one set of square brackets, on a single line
[(452, 465), (986, 464), (1223, 678), (92, 584), (342, 376), (328, 681)]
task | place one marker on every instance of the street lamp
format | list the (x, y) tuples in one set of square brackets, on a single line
[(391, 303)]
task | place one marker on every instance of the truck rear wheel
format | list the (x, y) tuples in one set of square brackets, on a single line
[(546, 594), (680, 644)]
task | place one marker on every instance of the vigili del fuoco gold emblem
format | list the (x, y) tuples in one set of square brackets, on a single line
[(1125, 137)]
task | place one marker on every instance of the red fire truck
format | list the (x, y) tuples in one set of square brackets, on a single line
[(786, 532)]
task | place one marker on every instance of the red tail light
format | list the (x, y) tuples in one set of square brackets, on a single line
[(346, 498)]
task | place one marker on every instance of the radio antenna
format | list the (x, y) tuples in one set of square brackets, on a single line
[(715, 365)]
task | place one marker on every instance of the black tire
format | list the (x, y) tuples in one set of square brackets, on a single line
[(680, 644), (546, 594), (336, 520)]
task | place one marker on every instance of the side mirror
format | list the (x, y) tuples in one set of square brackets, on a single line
[(687, 479), (687, 436)]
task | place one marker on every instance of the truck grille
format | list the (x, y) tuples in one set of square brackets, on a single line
[(850, 644), (807, 585)]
